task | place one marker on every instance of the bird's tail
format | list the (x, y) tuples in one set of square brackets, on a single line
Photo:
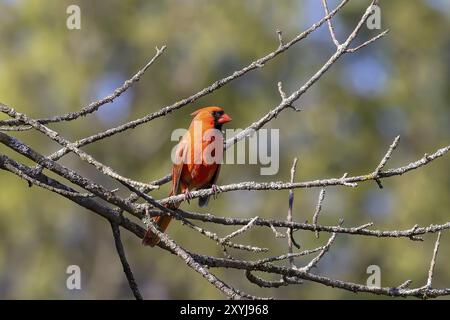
[(150, 238)]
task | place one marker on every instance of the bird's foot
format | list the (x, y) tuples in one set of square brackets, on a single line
[(188, 195), (216, 190)]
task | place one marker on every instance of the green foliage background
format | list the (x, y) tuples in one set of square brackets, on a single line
[(399, 85)]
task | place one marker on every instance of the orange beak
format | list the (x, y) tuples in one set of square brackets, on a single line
[(224, 119)]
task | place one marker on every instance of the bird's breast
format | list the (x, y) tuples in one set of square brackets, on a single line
[(197, 175), (203, 159)]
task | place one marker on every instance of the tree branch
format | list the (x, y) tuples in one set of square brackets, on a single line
[(93, 106), (112, 206), (344, 181), (205, 91), (123, 259)]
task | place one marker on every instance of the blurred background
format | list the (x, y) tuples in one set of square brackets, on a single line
[(396, 86)]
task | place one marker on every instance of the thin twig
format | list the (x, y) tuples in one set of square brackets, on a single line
[(71, 175), (220, 241), (288, 102), (330, 25), (289, 256), (7, 164), (93, 106), (280, 38), (382, 34), (405, 284), (64, 142), (123, 259), (385, 159), (88, 203), (433, 261), (326, 281), (281, 91), (276, 233), (318, 209), (239, 231), (362, 230), (289, 233), (364, 226), (264, 283), (15, 128), (313, 263), (169, 244), (207, 90), (343, 181)]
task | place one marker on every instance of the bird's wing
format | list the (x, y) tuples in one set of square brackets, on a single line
[(178, 166), (203, 201), (215, 176)]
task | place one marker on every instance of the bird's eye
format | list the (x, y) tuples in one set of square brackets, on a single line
[(217, 114)]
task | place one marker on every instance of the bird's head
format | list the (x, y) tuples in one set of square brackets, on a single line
[(213, 116)]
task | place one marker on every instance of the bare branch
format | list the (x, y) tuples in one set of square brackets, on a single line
[(239, 231), (280, 38), (313, 263), (288, 102), (405, 284), (166, 242), (280, 90), (388, 155), (276, 233), (82, 155), (264, 283), (88, 203), (358, 230), (290, 236), (290, 273), (346, 183), (300, 274), (8, 164), (71, 175), (161, 181), (208, 90), (93, 106), (330, 24), (364, 226), (433, 262), (318, 209), (123, 259), (15, 128), (221, 241), (385, 159), (289, 255), (112, 207), (343, 181), (353, 50)]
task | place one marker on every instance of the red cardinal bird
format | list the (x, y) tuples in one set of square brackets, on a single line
[(197, 163)]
